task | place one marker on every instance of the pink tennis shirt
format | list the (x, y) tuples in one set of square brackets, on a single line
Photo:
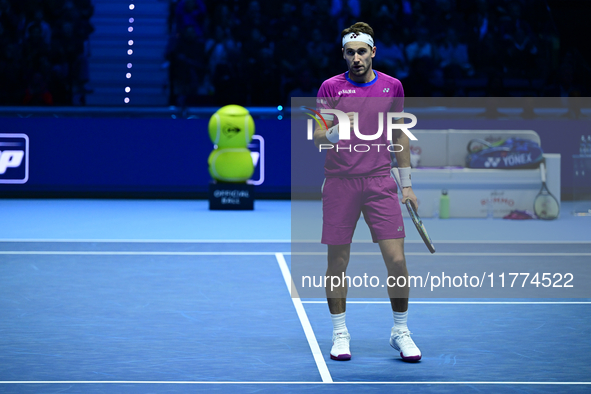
[(382, 94)]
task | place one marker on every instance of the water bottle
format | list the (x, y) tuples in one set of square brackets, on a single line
[(583, 146), (444, 205)]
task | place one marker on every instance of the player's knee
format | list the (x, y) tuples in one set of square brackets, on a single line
[(337, 266), (396, 263)]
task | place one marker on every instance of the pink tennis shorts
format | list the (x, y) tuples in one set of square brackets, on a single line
[(343, 200)]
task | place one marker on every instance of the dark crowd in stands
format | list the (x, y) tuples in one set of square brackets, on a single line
[(264, 52), (44, 51)]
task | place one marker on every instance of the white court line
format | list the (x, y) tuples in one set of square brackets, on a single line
[(139, 253), (277, 383), (467, 302), (213, 241), (297, 303), (171, 253), (504, 242), (450, 254), (454, 241)]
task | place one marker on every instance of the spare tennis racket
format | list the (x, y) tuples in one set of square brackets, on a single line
[(545, 205), (416, 219)]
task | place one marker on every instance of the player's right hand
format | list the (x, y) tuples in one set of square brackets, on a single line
[(409, 194)]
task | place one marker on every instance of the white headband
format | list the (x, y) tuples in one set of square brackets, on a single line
[(363, 37)]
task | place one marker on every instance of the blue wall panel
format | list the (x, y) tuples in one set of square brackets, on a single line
[(133, 155)]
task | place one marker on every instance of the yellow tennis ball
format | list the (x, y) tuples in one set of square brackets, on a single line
[(230, 164), (231, 127)]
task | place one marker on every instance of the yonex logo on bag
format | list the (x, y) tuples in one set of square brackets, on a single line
[(492, 162), (517, 160), (14, 158), (511, 153)]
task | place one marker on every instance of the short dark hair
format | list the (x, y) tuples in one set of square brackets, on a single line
[(359, 27)]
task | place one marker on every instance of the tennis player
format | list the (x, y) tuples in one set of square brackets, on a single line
[(360, 182)]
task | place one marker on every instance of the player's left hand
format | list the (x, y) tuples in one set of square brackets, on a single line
[(407, 194)]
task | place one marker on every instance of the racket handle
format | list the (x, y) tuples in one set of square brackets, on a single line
[(543, 171)]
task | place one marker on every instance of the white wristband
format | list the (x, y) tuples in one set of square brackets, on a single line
[(332, 134), (405, 177)]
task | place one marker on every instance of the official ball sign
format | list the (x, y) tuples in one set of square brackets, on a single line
[(14, 158), (231, 196)]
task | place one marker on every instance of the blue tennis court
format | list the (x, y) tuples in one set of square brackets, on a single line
[(168, 297)]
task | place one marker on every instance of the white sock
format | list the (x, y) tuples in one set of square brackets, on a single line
[(400, 319), (338, 322)]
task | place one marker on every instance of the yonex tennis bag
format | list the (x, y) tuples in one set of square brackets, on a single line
[(512, 153)]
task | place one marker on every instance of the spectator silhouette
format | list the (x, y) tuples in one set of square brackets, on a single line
[(453, 56), (390, 56), (190, 13), (187, 63), (421, 48), (37, 92), (11, 77)]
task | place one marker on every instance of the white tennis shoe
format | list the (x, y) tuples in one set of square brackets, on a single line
[(340, 346), (402, 342)]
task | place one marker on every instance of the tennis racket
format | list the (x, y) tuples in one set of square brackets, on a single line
[(545, 205), (412, 211), (416, 219)]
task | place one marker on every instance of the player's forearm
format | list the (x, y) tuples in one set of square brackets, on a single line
[(320, 135), (320, 138), (403, 157)]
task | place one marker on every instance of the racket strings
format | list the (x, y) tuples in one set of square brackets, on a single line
[(546, 206)]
